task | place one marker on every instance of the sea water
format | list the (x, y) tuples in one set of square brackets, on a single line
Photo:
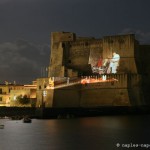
[(91, 133)]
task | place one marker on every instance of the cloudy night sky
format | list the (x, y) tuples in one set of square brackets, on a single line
[(25, 27)]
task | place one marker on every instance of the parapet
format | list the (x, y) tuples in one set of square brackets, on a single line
[(62, 37)]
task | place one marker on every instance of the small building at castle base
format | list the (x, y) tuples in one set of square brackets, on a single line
[(9, 94)]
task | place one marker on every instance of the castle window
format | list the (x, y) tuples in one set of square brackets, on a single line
[(63, 45), (112, 83), (39, 87), (69, 61), (0, 90), (1, 99), (121, 93), (86, 43), (121, 41), (110, 41)]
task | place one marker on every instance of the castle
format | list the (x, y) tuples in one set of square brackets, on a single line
[(74, 60)]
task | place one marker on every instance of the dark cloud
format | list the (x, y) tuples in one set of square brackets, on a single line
[(22, 61), (142, 37), (34, 20)]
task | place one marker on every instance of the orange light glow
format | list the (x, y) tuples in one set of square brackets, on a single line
[(93, 80)]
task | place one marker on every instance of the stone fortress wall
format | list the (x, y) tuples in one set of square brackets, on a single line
[(73, 56), (78, 54)]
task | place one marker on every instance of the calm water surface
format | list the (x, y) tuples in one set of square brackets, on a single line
[(97, 133)]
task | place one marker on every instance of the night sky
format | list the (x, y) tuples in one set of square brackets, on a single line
[(25, 27)]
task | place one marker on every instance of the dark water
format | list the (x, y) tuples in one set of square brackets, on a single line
[(97, 133)]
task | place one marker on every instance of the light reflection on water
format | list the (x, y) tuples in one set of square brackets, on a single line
[(97, 133)]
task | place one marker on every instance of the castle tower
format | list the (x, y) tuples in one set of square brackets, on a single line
[(71, 55), (57, 57)]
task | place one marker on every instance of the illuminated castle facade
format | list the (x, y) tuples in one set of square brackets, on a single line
[(71, 62)]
